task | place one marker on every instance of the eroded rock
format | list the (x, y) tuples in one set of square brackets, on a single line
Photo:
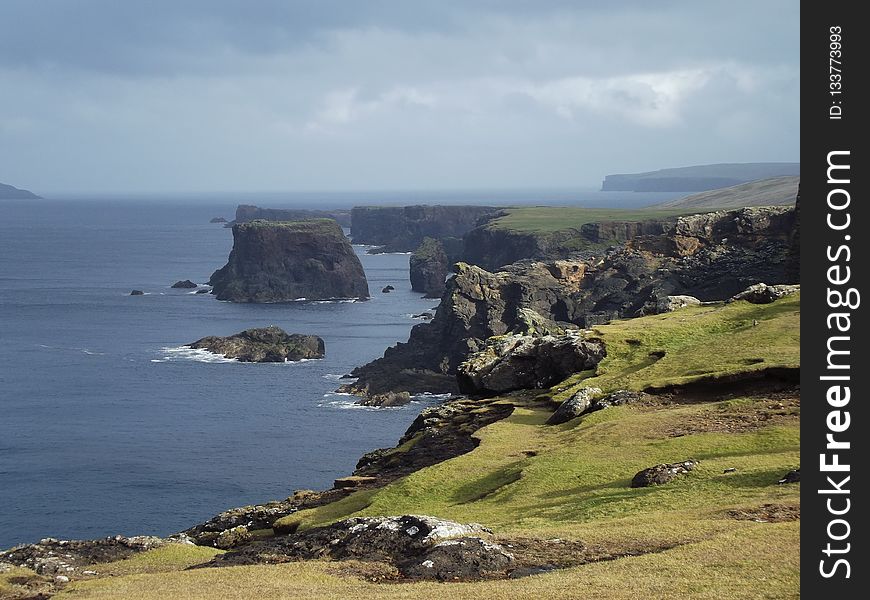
[(267, 344), (761, 293), (574, 406), (51, 556), (662, 473)]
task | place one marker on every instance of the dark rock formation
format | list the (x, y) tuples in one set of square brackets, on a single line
[(64, 557), (269, 344), (386, 399), (661, 474), (186, 284), (217, 220), (418, 546), (245, 213), (403, 228), (429, 268), (230, 538), (761, 293), (574, 406), (617, 398), (203, 291), (697, 178), (8, 192), (793, 476), (519, 362), (524, 298), (137, 293), (387, 289), (279, 262)]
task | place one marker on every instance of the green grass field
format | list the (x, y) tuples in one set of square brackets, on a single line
[(549, 219)]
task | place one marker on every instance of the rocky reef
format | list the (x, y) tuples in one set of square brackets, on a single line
[(281, 262), (403, 228), (267, 344), (429, 268)]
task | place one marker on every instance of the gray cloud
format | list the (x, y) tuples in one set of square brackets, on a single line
[(196, 95)]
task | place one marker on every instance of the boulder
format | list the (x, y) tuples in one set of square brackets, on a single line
[(761, 293), (386, 399), (793, 476), (516, 362), (186, 284), (267, 344), (574, 406), (286, 261), (387, 289), (662, 473), (230, 538), (668, 304), (137, 293), (203, 291)]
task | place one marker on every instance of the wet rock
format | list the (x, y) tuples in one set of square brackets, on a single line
[(574, 406), (793, 476), (137, 293), (268, 344), (386, 399), (230, 538), (661, 474), (217, 220), (761, 293), (425, 316), (387, 289), (515, 362), (185, 284), (203, 291)]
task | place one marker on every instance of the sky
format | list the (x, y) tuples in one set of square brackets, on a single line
[(283, 95)]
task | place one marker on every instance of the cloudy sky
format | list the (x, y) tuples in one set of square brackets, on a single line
[(275, 95)]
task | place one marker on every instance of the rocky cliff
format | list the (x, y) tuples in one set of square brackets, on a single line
[(493, 247), (429, 266), (403, 228), (280, 262), (697, 178), (245, 213), (710, 256)]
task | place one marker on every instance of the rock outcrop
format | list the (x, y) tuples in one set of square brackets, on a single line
[(386, 399), (217, 220), (267, 344), (137, 293), (429, 267), (65, 557), (710, 257), (419, 546), (281, 262), (245, 213), (578, 404), (761, 293), (518, 362), (663, 473), (403, 228), (186, 284)]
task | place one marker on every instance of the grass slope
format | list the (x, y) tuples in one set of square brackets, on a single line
[(550, 219), (529, 480), (776, 191)]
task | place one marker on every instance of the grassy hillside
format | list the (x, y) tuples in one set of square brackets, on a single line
[(565, 489), (776, 191), (549, 219)]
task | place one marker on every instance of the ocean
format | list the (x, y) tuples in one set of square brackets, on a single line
[(108, 426)]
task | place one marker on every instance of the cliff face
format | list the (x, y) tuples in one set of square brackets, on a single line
[(711, 256), (697, 178), (493, 248), (280, 262), (403, 228), (245, 213), (429, 268)]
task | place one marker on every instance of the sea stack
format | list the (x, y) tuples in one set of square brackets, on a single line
[(286, 261)]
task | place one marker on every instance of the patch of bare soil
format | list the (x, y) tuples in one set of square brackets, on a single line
[(767, 513)]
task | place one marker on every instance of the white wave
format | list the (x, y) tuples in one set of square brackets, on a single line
[(184, 353), (336, 301), (340, 377), (430, 397)]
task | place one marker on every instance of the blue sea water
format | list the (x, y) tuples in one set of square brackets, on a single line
[(108, 426)]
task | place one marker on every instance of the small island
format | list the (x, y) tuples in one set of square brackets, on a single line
[(10, 192), (267, 344), (289, 261)]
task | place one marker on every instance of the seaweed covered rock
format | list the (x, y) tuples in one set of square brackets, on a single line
[(286, 261), (267, 344)]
